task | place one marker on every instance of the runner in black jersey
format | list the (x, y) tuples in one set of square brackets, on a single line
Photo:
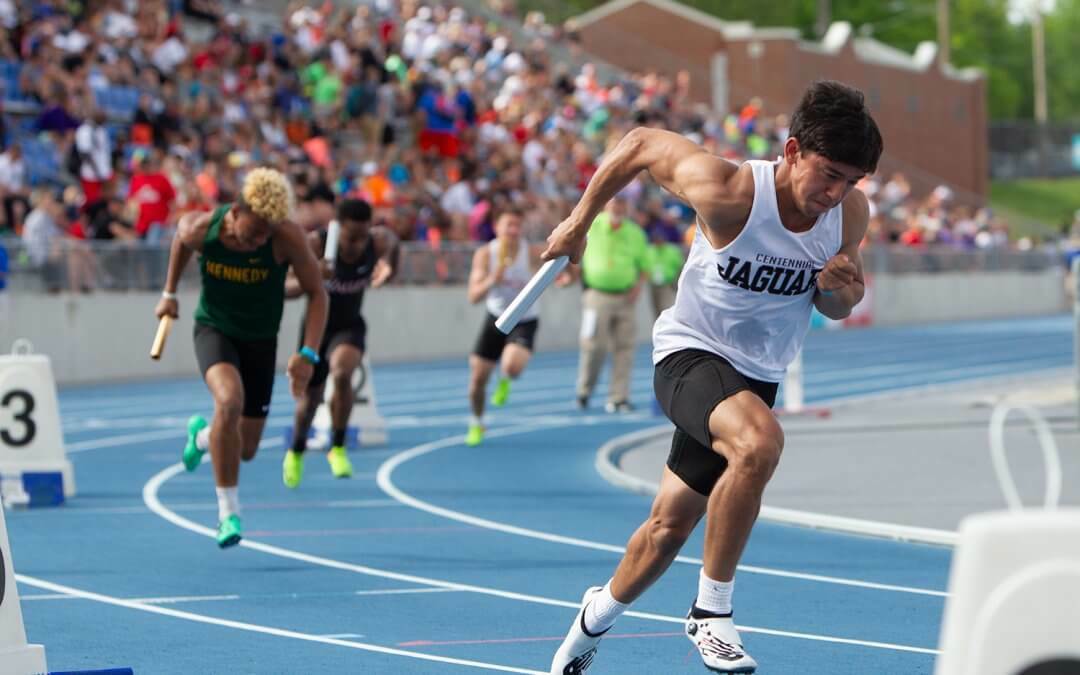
[(366, 257)]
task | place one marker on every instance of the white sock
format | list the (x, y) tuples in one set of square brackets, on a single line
[(602, 610), (477, 420), (228, 502), (202, 439), (714, 596)]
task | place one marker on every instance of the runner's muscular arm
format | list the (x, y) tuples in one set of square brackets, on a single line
[(706, 182), (298, 253), (190, 232), (480, 282), (841, 284), (292, 284), (387, 250)]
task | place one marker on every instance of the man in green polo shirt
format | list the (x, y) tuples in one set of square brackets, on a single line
[(665, 262), (614, 268)]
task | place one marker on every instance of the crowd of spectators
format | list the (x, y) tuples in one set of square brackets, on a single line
[(122, 115)]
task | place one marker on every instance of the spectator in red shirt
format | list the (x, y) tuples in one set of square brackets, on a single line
[(151, 193)]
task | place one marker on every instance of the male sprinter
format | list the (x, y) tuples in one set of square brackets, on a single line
[(245, 250), (773, 240), (366, 255), (500, 270)]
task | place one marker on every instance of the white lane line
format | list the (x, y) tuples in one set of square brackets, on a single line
[(274, 425), (150, 497), (429, 399), (405, 591), (256, 628), (386, 484), (183, 598), (607, 465), (171, 600), (204, 506), (561, 400), (126, 439), (149, 601)]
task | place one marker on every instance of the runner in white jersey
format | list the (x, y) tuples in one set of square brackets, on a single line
[(500, 269), (773, 240)]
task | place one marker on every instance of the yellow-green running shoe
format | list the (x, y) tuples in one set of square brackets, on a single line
[(229, 532), (475, 435), (192, 454), (292, 469), (340, 465), (502, 392)]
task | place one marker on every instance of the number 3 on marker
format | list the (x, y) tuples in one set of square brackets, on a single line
[(22, 417)]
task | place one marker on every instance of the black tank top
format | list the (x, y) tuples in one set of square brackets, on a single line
[(346, 287)]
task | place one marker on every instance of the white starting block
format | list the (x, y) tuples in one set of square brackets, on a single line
[(366, 426), (1014, 594), (34, 469), (16, 656), (1014, 588)]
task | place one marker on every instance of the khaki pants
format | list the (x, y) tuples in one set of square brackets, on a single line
[(607, 322), (662, 298)]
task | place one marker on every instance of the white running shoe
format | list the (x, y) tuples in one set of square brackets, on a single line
[(719, 644), (578, 650)]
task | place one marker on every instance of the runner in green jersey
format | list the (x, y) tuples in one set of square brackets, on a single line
[(245, 249)]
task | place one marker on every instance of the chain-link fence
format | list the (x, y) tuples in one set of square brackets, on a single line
[(73, 265), (1026, 149)]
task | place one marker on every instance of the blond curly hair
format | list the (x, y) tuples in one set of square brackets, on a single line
[(267, 194)]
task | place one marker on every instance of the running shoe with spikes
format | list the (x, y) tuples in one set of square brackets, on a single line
[(719, 644), (340, 466), (192, 454), (578, 650)]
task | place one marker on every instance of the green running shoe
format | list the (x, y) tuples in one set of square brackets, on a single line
[(340, 465), (475, 435), (192, 453), (502, 392), (292, 469), (229, 532)]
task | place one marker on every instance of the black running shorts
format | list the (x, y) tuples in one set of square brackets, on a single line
[(355, 335), (255, 359), (689, 384), (491, 341)]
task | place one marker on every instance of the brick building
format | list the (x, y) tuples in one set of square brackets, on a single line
[(933, 117)]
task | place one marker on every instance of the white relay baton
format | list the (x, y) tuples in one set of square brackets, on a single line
[(333, 232), (529, 295)]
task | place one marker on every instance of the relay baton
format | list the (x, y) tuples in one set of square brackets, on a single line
[(333, 231), (159, 340), (529, 295)]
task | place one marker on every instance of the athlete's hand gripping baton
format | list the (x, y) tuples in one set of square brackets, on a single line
[(529, 295)]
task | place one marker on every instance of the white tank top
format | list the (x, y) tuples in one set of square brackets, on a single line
[(515, 277), (750, 301)]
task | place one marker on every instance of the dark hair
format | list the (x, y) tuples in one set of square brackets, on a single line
[(833, 121), (354, 209), (509, 210)]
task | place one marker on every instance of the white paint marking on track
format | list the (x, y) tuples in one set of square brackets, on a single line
[(265, 630), (150, 498), (386, 484)]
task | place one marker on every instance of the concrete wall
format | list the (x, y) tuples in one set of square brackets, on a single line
[(107, 336), (957, 296)]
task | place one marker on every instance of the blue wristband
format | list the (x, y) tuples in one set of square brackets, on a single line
[(824, 292), (310, 354)]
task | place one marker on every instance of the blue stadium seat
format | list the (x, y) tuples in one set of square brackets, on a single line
[(42, 161), (117, 101)]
